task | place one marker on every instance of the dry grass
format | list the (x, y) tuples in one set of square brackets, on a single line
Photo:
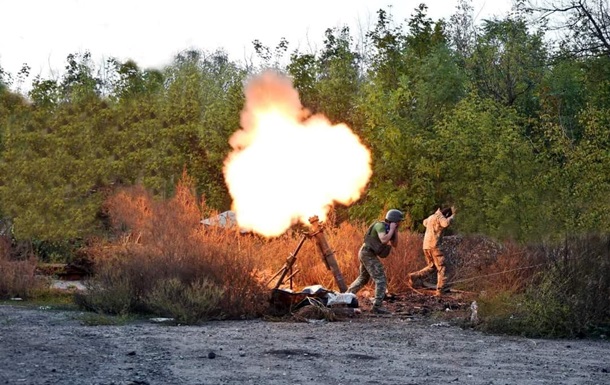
[(483, 265), (157, 242), (550, 290), (17, 276), (163, 261), (572, 296), (345, 241), (161, 250)]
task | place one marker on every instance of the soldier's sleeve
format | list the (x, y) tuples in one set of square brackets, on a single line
[(379, 229), (445, 222)]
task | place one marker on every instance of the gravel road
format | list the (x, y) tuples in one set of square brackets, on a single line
[(46, 346)]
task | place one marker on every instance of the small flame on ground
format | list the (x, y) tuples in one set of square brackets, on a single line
[(286, 167)]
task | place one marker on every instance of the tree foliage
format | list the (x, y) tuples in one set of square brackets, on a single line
[(585, 24), (508, 63), (481, 141), (488, 117)]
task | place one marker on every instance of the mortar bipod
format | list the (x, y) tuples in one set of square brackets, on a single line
[(288, 266)]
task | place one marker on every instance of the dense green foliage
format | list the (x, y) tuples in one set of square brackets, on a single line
[(486, 117)]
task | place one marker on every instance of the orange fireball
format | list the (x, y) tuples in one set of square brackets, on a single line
[(285, 168)]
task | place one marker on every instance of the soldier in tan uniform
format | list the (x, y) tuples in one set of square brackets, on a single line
[(435, 259), (378, 241)]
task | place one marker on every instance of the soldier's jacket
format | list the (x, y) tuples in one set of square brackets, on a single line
[(435, 224)]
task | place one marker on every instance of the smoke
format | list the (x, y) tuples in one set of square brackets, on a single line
[(287, 166)]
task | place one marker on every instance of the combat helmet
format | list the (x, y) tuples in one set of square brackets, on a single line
[(394, 215)]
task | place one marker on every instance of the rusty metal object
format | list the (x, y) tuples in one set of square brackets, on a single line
[(328, 255), (288, 265)]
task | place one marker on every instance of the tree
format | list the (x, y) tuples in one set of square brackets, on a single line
[(200, 111), (127, 80), (414, 80), (53, 168), (461, 29), (432, 71), (329, 82), (13, 106), (271, 59), (303, 68), (79, 81), (508, 63), (5, 80), (57, 158), (585, 24), (563, 94), (577, 178), (487, 169), (424, 35), (597, 81), (387, 45)]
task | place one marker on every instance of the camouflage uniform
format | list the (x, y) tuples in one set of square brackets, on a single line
[(370, 267), (435, 260)]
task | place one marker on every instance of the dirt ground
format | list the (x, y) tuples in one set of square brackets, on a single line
[(412, 346)]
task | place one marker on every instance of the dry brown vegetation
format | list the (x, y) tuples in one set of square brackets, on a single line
[(17, 275), (162, 261)]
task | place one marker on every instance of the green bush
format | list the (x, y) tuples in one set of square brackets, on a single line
[(186, 303), (573, 296), (110, 292)]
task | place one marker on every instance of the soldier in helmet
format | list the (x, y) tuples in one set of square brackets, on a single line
[(378, 242), (435, 259)]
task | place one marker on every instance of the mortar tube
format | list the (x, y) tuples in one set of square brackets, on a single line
[(328, 255)]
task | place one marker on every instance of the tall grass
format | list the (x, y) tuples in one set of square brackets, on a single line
[(345, 240), (17, 275), (572, 298), (568, 294), (163, 262)]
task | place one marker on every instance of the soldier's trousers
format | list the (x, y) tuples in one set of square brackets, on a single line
[(370, 267), (435, 261)]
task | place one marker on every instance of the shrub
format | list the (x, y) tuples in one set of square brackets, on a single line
[(568, 297), (185, 303), (162, 254), (110, 292), (572, 298), (17, 277), (162, 261)]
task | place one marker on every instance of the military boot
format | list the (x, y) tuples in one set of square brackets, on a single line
[(441, 291), (378, 309), (414, 282)]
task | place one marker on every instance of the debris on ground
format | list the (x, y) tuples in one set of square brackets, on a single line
[(317, 303), (313, 302)]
